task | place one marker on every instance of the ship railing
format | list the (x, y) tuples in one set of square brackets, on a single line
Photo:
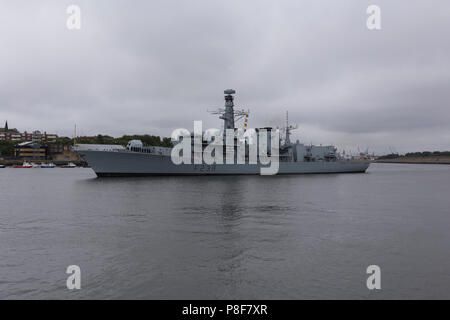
[(151, 150)]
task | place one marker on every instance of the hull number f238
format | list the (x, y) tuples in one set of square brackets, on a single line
[(205, 167)]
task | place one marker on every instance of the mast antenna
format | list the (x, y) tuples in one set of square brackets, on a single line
[(75, 135), (288, 129)]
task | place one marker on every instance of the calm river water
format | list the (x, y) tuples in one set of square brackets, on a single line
[(248, 237)]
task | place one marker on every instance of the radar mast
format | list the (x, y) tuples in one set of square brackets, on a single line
[(228, 114)]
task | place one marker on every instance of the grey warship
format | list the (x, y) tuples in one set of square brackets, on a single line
[(138, 160)]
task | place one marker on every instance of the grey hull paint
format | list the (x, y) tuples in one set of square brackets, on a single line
[(126, 163)]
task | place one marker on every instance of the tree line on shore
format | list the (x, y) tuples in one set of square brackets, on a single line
[(424, 154)]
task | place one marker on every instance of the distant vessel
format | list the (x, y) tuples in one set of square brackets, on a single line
[(48, 165), (137, 160), (24, 165), (69, 165)]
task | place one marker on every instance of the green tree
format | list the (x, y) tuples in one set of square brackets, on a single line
[(7, 149)]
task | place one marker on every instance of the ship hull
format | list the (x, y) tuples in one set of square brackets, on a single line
[(125, 163)]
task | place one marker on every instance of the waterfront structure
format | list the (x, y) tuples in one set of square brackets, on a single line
[(7, 134), (62, 153), (294, 158), (30, 151)]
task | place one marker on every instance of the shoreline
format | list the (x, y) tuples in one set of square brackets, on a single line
[(428, 160), (57, 163)]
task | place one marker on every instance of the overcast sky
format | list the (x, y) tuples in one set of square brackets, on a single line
[(153, 66)]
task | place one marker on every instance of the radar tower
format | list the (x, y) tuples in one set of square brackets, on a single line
[(228, 114)]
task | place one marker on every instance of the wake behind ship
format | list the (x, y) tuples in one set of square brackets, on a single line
[(139, 160)]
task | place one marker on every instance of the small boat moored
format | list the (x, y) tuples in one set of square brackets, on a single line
[(48, 165), (69, 165), (24, 165)]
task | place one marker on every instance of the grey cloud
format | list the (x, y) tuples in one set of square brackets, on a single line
[(152, 66)]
